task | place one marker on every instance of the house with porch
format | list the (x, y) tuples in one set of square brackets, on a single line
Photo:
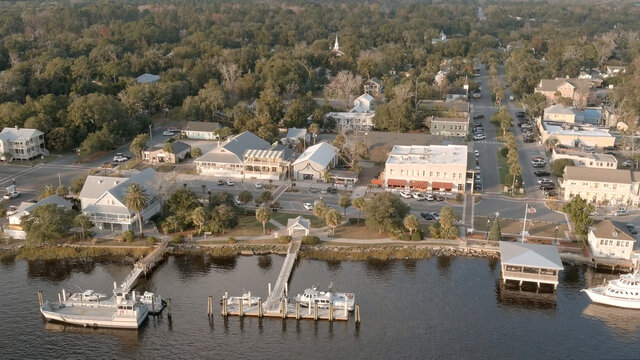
[(21, 144), (373, 86), (14, 230), (610, 239), (102, 200), (360, 117), (159, 155)]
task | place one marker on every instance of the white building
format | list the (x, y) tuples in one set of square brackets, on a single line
[(583, 159), (244, 156), (575, 135), (294, 135), (102, 200), (617, 187), (360, 117), (433, 167), (610, 240), (21, 144), (201, 130), (315, 161)]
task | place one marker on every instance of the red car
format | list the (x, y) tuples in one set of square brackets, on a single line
[(479, 116)]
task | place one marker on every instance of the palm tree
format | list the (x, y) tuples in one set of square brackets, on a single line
[(314, 129), (359, 203), (199, 217), (263, 215), (332, 218), (47, 191), (245, 197), (136, 199), (319, 209), (344, 202), (411, 223)]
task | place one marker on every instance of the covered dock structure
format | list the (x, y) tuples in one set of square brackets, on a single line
[(533, 263)]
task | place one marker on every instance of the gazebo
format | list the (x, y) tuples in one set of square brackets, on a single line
[(298, 224), (524, 262)]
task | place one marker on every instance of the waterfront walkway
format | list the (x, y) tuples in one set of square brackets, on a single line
[(276, 295), (142, 267)]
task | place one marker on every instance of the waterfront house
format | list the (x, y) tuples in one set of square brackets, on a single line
[(102, 200), (14, 230), (523, 262), (610, 239)]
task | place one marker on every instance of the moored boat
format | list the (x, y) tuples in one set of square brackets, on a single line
[(246, 299), (324, 298), (155, 303), (623, 292)]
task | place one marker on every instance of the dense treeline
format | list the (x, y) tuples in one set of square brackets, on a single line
[(69, 69)]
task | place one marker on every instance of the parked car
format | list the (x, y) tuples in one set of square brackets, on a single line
[(619, 212), (529, 140), (418, 196), (477, 153), (479, 137), (541, 173), (627, 163), (229, 182), (438, 198), (551, 194), (237, 200), (120, 158), (478, 130), (405, 194), (332, 190), (537, 165), (478, 125), (435, 216), (632, 229), (544, 180), (429, 197), (12, 210), (538, 161), (220, 182), (561, 146), (479, 116), (167, 133), (307, 206), (476, 95), (547, 186), (11, 195), (426, 216), (258, 185)]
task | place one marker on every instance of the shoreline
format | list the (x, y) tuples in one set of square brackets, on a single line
[(324, 251)]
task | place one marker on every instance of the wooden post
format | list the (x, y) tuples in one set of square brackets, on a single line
[(59, 298), (209, 306), (169, 307), (153, 305), (285, 310), (315, 311), (40, 299), (331, 312), (346, 310), (297, 310), (259, 308), (357, 317), (224, 306), (241, 302), (269, 289)]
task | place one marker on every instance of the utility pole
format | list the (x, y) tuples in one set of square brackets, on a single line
[(416, 94)]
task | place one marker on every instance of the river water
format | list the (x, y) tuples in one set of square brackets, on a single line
[(443, 307)]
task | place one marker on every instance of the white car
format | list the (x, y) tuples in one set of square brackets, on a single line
[(237, 199), (538, 162), (12, 210), (418, 196), (479, 137), (544, 180), (619, 212), (167, 133), (307, 206), (626, 163), (11, 195), (258, 185), (405, 194), (477, 153), (429, 197), (120, 158), (229, 182)]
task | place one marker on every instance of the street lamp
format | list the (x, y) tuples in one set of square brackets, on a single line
[(488, 229), (555, 237)]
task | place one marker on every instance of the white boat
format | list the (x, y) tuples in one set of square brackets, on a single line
[(324, 298), (121, 311), (155, 303), (88, 297), (246, 298), (623, 292)]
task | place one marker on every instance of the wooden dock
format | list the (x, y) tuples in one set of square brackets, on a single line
[(143, 267), (278, 292)]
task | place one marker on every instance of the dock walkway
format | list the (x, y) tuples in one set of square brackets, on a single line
[(273, 301), (142, 267)]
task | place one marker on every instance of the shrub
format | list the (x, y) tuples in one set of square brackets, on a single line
[(504, 151), (310, 240), (94, 241), (284, 239), (176, 239), (231, 240), (128, 236), (151, 240), (459, 197), (557, 167), (416, 236)]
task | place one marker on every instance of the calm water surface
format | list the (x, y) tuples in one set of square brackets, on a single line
[(437, 308)]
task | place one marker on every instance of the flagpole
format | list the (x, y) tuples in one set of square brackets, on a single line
[(526, 210)]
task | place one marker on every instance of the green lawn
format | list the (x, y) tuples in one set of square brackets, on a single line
[(357, 231), (282, 218), (249, 226), (515, 227), (503, 167)]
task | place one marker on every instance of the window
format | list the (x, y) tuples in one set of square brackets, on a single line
[(601, 242), (438, 174), (431, 173), (615, 186), (391, 171), (605, 185)]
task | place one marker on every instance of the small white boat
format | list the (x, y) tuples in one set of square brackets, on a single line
[(246, 298), (88, 297), (623, 292), (121, 311), (324, 298), (155, 303)]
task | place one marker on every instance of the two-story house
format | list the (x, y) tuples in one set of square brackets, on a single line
[(373, 86), (21, 144), (445, 126), (573, 88), (611, 240), (616, 187)]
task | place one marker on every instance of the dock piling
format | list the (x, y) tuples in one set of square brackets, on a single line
[(297, 310), (40, 299), (210, 306), (240, 312), (284, 309), (169, 308), (259, 308), (64, 295), (331, 312), (357, 315), (153, 305), (224, 306), (59, 299), (269, 289), (315, 311)]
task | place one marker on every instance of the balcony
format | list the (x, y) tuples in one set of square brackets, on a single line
[(532, 277)]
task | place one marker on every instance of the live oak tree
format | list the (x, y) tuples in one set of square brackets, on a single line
[(47, 223), (385, 212), (579, 212), (411, 223)]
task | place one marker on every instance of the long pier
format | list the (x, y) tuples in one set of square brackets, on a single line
[(143, 267), (278, 293)]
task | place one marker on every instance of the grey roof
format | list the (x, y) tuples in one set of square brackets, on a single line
[(219, 157), (607, 229), (295, 133), (244, 141), (321, 153), (53, 199), (15, 133), (203, 126), (148, 78), (288, 154), (618, 176), (456, 105), (145, 178), (375, 80), (534, 255), (550, 84), (448, 119), (178, 147), (304, 222), (96, 186), (559, 109)]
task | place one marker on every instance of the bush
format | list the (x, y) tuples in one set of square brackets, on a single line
[(416, 236), (459, 197), (310, 240), (151, 240), (504, 151), (231, 240), (94, 241), (176, 239), (284, 239), (557, 167), (128, 236)]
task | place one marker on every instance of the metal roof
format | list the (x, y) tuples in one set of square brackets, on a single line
[(523, 254), (202, 126), (264, 154), (322, 154), (614, 176)]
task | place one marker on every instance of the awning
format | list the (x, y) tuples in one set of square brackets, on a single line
[(396, 182), (418, 184), (442, 185), (377, 182)]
